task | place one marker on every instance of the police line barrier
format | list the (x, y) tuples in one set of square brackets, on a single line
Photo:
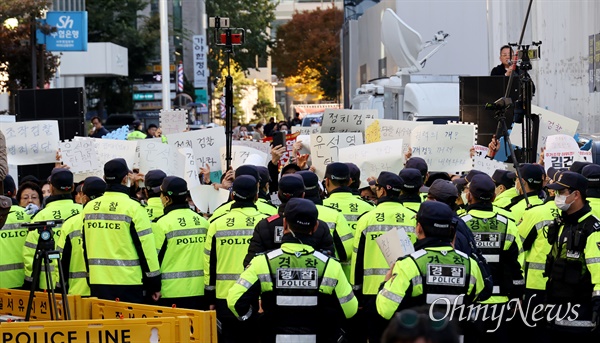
[(202, 324), (14, 302), (152, 330)]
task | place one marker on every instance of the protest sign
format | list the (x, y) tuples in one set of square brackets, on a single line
[(562, 150), (377, 130), (335, 120), (325, 148), (374, 158), (207, 199), (173, 121), (240, 154), (108, 149), (445, 148), (31, 142), (153, 154), (290, 139), (550, 124), (394, 244), (260, 146), (306, 130), (80, 155), (205, 143), (190, 172)]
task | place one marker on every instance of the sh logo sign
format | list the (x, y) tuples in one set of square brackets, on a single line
[(64, 22)]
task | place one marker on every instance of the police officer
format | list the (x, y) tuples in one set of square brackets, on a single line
[(181, 234), (268, 233), (369, 266), (337, 181), (354, 178), (12, 239), (419, 164), (226, 246), (59, 205), (136, 133), (498, 239), (533, 176), (70, 242), (506, 213), (505, 187), (533, 231), (343, 235), (261, 204), (265, 179), (305, 294), (592, 173), (573, 264), (436, 273), (152, 181), (412, 181), (119, 245)]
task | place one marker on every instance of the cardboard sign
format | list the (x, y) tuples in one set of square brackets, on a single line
[(205, 143), (550, 124), (394, 244), (445, 148), (335, 120), (377, 130), (173, 121), (374, 158), (325, 148), (31, 142), (79, 155), (108, 149)]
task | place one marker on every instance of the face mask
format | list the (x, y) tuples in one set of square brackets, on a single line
[(463, 196), (561, 202)]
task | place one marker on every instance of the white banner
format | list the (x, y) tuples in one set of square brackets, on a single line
[(31, 142), (325, 148), (335, 120), (445, 148), (80, 155), (173, 121), (374, 158), (205, 143)]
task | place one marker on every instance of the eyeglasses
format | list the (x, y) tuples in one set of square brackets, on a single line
[(410, 319), (27, 197)]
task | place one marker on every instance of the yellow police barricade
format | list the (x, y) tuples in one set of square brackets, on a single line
[(202, 324), (14, 302), (167, 329)]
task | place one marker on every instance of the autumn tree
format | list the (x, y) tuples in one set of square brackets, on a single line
[(15, 50), (311, 40)]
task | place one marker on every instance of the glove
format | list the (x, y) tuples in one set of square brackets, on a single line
[(596, 312), (31, 209)]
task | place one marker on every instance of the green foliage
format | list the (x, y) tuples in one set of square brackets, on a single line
[(311, 40)]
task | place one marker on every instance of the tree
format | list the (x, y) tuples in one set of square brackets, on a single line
[(311, 39), (305, 85), (255, 16), (263, 110), (117, 21), (15, 48)]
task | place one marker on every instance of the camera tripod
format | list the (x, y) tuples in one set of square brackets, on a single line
[(45, 253)]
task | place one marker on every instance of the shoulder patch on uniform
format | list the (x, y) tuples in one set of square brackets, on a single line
[(502, 218), (320, 256), (461, 253), (596, 226), (418, 253), (272, 218), (466, 217)]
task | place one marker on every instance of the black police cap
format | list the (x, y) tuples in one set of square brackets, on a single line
[(62, 179), (93, 187), (174, 186), (436, 215), (301, 213), (390, 182), (244, 188), (570, 180), (337, 171), (417, 163), (291, 185), (592, 173), (115, 170), (247, 169), (482, 187), (153, 179), (412, 179)]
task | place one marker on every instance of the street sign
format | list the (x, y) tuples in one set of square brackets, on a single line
[(150, 96), (201, 100), (200, 51), (71, 34), (154, 78), (148, 105), (149, 87)]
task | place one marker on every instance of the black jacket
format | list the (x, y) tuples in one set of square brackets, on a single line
[(268, 235)]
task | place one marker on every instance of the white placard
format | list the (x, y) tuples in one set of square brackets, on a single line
[(377, 130), (335, 120), (173, 121), (306, 130), (205, 143), (207, 199), (190, 174), (561, 142), (31, 142), (108, 149), (200, 51), (260, 146), (80, 155), (153, 154), (487, 165), (394, 244), (445, 148), (239, 155), (305, 139), (325, 147), (561, 151), (550, 124), (374, 158)]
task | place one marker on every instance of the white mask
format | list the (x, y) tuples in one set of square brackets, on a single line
[(561, 202), (463, 196)]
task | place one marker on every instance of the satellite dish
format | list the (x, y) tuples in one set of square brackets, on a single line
[(402, 42)]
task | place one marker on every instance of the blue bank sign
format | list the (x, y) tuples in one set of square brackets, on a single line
[(71, 31)]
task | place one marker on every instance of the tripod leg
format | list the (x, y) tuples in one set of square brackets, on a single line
[(37, 266), (51, 286), (63, 288)]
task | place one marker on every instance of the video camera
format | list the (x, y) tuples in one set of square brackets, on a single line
[(44, 229)]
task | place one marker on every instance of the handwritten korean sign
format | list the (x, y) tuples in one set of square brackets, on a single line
[(377, 130), (31, 142), (206, 145), (445, 148), (80, 155), (335, 120), (374, 158), (325, 148), (173, 121), (240, 154)]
